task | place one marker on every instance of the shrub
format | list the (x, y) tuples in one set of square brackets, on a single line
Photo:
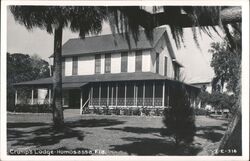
[(86, 110), (200, 111), (145, 111), (117, 111), (37, 108), (97, 110), (106, 110), (157, 112), (179, 119), (137, 111)]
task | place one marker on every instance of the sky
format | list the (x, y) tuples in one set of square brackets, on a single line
[(196, 61)]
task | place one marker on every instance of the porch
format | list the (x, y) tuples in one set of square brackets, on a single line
[(129, 90)]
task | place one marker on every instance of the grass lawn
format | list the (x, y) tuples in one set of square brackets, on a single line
[(109, 135)]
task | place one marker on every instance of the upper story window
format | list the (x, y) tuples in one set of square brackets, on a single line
[(157, 63), (98, 64), (166, 66), (75, 65), (124, 61), (107, 63), (176, 72), (138, 61)]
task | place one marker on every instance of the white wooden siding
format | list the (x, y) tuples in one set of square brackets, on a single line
[(116, 63), (131, 62), (86, 65), (68, 66), (146, 61), (163, 51), (102, 63)]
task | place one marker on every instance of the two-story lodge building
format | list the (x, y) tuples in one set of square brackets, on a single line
[(103, 71)]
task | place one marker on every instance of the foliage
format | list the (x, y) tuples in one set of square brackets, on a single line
[(117, 111), (226, 65), (179, 119), (21, 67), (200, 111), (37, 108), (106, 110), (222, 100), (97, 110), (218, 100), (145, 111), (137, 111)]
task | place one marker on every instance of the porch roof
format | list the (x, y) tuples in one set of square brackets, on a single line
[(108, 77), (79, 81)]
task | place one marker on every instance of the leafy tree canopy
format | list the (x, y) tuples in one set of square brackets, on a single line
[(227, 63)]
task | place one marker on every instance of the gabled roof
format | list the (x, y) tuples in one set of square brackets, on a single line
[(110, 43)]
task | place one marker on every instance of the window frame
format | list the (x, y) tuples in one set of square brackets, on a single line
[(74, 65), (107, 63), (124, 62), (138, 58), (157, 63), (98, 62)]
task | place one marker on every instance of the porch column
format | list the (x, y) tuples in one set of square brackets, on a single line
[(112, 95), (153, 94), (32, 96), (15, 96), (163, 94), (100, 94), (81, 98), (125, 99), (168, 97), (143, 93), (135, 95), (116, 95), (108, 95), (91, 96), (49, 90)]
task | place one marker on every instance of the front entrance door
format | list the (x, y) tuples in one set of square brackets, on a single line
[(74, 98)]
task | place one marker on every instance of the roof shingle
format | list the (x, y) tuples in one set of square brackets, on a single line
[(110, 43)]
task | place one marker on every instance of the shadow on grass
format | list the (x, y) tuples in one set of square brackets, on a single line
[(93, 123), (212, 133), (138, 130), (149, 146), (48, 136), (25, 124), (41, 134), (208, 128)]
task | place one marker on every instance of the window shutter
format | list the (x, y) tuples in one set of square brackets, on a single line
[(75, 65), (138, 61), (98, 64), (124, 61), (107, 63)]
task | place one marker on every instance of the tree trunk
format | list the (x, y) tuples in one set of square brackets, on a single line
[(232, 138), (57, 79)]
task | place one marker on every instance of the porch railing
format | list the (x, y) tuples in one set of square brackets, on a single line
[(129, 102), (35, 101)]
